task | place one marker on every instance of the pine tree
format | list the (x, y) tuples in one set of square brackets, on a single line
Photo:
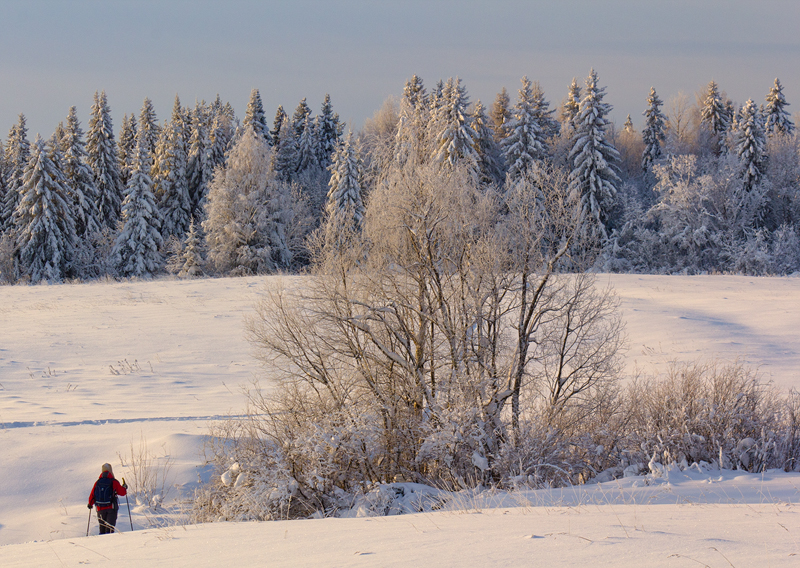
[(148, 126), (454, 136), (594, 178), (274, 135), (750, 146), (523, 147), (169, 177), (500, 115), (254, 116), (45, 227), (136, 249), (17, 155), (345, 208), (80, 180), (653, 133), (777, 119), (299, 117), (126, 149), (327, 132), (102, 158)]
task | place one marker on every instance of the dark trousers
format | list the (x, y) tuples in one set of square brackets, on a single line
[(107, 519)]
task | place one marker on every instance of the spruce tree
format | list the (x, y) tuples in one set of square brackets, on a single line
[(126, 148), (80, 180), (308, 146), (102, 158), (345, 208), (489, 158), (454, 137), (653, 133), (275, 133), (777, 119), (299, 117), (715, 115), (410, 139), (169, 177), (594, 179), (523, 146), (500, 115), (191, 255), (17, 155), (750, 146), (136, 248), (200, 167), (542, 112), (572, 104), (254, 116), (148, 126), (327, 132), (285, 158), (45, 227)]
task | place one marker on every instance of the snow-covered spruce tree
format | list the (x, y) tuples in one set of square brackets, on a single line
[(653, 133), (17, 154), (169, 178), (149, 128), (777, 118), (594, 178), (523, 147), (137, 246), (750, 145), (254, 117), (454, 138), (414, 115), (200, 166), (543, 113), (192, 255), (275, 133), (45, 226), (299, 117), (126, 148), (308, 146), (102, 158), (344, 210), (80, 180), (489, 156), (254, 222), (572, 104), (715, 115), (285, 158), (328, 130), (500, 115)]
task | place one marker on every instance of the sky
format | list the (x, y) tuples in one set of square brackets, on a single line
[(55, 54)]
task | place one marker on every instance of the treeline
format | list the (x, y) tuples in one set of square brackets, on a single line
[(707, 186)]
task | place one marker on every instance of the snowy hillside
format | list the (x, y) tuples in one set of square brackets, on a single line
[(88, 370)]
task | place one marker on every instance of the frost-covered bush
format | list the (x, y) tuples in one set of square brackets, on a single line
[(711, 413)]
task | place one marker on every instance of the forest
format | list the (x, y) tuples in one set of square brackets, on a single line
[(708, 186)]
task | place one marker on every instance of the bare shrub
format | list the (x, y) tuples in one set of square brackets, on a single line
[(149, 474)]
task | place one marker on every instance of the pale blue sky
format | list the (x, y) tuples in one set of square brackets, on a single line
[(56, 53)]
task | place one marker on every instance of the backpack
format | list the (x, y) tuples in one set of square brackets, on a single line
[(104, 495)]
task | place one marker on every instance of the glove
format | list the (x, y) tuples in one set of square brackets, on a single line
[(89, 506), (124, 485)]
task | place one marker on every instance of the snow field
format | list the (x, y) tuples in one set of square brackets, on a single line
[(88, 369)]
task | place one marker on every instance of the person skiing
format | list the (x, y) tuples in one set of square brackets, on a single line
[(104, 498)]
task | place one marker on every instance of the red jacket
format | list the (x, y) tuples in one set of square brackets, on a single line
[(118, 490)]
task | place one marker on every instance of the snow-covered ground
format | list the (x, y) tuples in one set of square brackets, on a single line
[(87, 370)]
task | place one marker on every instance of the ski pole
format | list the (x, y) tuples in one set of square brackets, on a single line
[(128, 503), (89, 521)]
